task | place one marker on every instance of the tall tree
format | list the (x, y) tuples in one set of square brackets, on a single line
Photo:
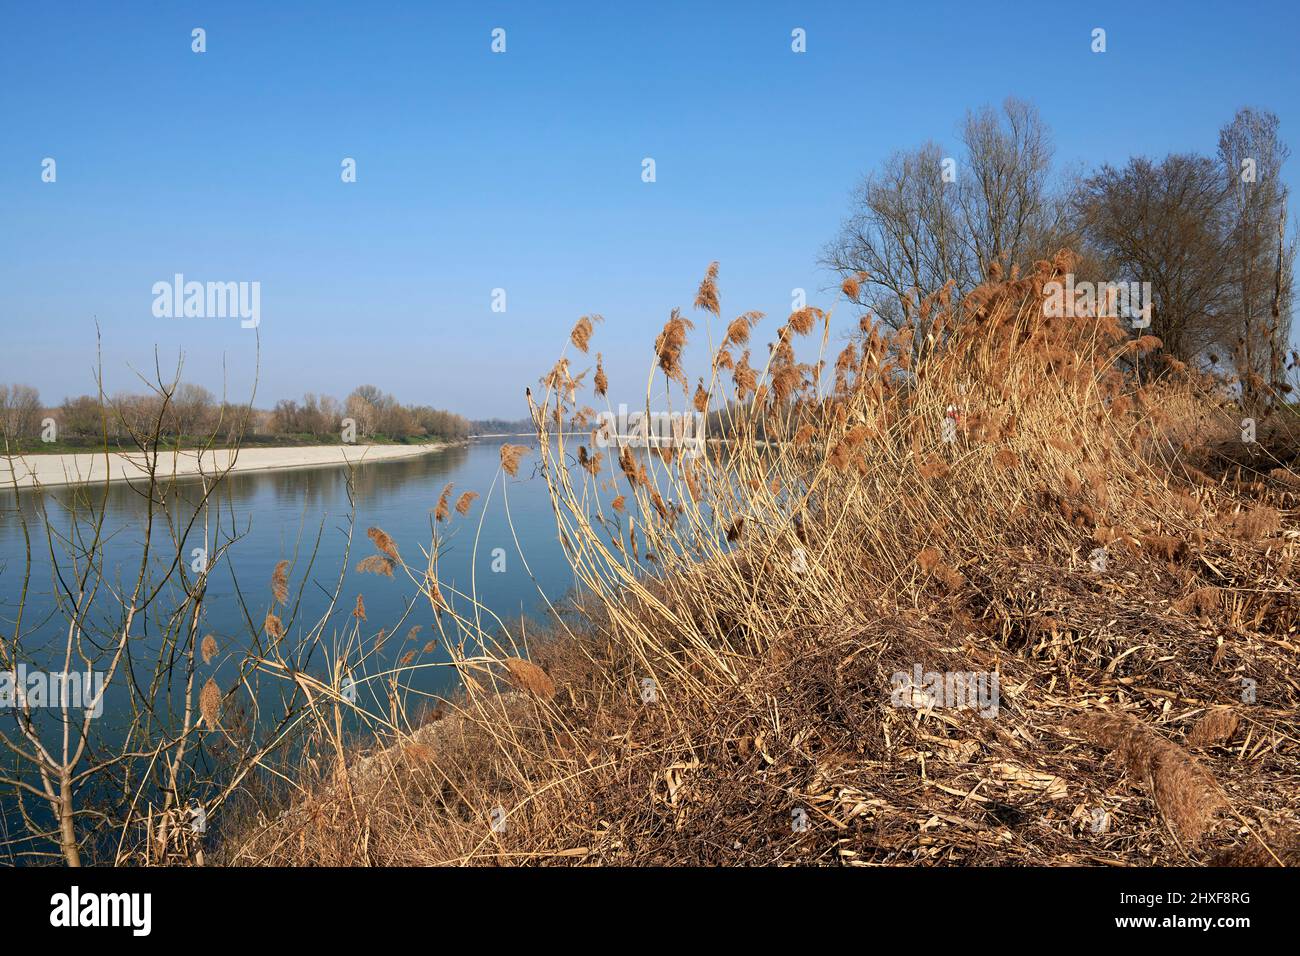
[(926, 218), (1259, 260), (1002, 194), (1163, 223), (20, 411)]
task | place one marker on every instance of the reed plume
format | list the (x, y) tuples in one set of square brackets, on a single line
[(1185, 793), (376, 564), (210, 704), (669, 345), (442, 511), (510, 457), (280, 582), (1215, 727), (707, 297), (581, 334), (528, 676), (384, 543)]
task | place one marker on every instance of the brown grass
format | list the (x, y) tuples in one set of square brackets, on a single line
[(376, 564), (280, 582), (511, 455), (816, 554), (384, 543), (528, 676)]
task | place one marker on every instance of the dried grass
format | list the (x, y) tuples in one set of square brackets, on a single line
[(1186, 794), (280, 582), (376, 564), (691, 701), (511, 455), (528, 676)]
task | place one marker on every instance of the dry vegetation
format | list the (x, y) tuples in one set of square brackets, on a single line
[(729, 660)]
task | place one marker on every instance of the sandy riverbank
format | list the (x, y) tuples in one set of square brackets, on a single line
[(71, 469)]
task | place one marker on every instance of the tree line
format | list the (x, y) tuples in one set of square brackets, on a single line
[(193, 411), (1207, 231)]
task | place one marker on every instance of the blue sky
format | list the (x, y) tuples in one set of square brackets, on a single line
[(520, 170)]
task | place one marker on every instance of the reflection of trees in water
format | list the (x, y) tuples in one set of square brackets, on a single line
[(123, 588), (313, 488), (394, 475)]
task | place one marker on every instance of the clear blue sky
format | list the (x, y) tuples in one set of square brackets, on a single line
[(520, 171)]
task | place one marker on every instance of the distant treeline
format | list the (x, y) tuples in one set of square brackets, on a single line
[(501, 426), (193, 411)]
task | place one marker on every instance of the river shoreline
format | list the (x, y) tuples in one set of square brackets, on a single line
[(97, 467)]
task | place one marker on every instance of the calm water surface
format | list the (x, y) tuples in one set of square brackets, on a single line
[(517, 567), (281, 515)]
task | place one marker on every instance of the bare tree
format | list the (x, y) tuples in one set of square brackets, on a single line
[(20, 412), (192, 408), (902, 235), (1259, 260), (1002, 194), (1163, 223), (926, 219), (366, 405), (331, 415)]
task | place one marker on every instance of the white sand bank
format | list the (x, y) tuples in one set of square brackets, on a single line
[(72, 469)]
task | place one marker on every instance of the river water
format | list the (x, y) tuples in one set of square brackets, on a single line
[(516, 567), (279, 514)]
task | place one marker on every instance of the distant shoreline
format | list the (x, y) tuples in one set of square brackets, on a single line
[(89, 468)]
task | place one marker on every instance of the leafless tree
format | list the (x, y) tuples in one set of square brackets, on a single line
[(1260, 262), (925, 219), (20, 412), (1163, 223), (192, 410), (1002, 194), (366, 405), (902, 235)]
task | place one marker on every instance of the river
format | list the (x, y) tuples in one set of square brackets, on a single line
[(279, 515)]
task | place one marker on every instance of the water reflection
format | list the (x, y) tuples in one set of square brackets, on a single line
[(275, 515)]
